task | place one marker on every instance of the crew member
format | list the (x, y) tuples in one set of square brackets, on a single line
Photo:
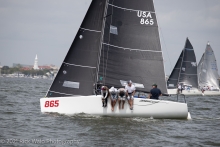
[(155, 92), (211, 88), (208, 88), (130, 91), (203, 89), (121, 97), (105, 94), (180, 88), (114, 96)]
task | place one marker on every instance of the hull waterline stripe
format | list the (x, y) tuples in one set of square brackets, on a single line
[(131, 48), (91, 30), (128, 9), (61, 93), (79, 65)]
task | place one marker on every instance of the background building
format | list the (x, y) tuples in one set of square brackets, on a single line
[(36, 64)]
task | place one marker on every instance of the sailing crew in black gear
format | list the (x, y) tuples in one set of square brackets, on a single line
[(155, 92), (105, 94)]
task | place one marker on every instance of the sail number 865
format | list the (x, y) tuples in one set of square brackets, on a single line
[(52, 103), (147, 21)]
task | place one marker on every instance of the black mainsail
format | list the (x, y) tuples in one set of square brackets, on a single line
[(131, 46), (117, 41), (185, 70), (207, 69)]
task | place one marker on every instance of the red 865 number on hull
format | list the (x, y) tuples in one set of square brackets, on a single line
[(51, 103)]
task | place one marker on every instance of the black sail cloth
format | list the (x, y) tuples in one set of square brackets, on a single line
[(117, 41), (78, 71), (131, 46), (185, 70)]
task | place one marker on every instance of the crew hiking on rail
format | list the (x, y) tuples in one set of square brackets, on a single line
[(119, 95)]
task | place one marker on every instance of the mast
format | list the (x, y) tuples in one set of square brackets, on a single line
[(101, 40), (181, 64)]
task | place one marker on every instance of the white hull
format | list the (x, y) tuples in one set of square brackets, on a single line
[(193, 92), (93, 105)]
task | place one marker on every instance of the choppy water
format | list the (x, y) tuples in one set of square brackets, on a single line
[(22, 123)]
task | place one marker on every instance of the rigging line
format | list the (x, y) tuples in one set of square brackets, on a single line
[(103, 53), (108, 46), (165, 44)]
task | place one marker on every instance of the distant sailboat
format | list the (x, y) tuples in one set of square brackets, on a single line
[(111, 47), (184, 72), (208, 72)]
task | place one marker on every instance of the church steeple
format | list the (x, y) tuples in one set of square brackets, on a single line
[(36, 63)]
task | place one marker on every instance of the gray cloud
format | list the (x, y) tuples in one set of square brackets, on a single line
[(47, 28)]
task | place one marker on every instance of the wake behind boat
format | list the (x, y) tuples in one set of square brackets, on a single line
[(117, 41)]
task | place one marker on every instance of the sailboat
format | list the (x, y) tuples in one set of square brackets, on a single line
[(117, 41), (185, 73), (208, 72)]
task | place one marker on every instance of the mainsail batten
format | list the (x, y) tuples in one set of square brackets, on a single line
[(130, 49)]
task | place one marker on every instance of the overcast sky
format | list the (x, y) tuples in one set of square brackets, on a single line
[(48, 27)]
